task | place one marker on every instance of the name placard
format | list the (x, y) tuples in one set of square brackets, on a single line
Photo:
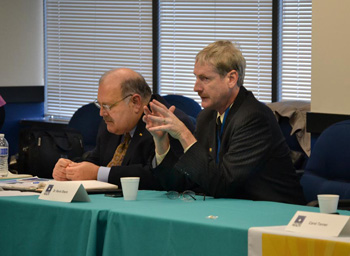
[(62, 191), (319, 224)]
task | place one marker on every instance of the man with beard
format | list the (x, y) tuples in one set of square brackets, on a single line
[(124, 147)]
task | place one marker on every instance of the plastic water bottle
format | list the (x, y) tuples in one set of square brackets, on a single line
[(4, 155)]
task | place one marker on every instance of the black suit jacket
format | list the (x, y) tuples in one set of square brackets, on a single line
[(138, 159), (254, 161)]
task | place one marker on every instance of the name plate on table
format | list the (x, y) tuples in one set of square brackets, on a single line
[(319, 224), (62, 191)]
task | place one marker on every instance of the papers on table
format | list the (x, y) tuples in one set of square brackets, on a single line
[(17, 193), (35, 184), (95, 186), (10, 175)]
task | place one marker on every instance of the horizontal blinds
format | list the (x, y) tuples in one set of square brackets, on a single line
[(188, 26), (86, 38), (296, 50)]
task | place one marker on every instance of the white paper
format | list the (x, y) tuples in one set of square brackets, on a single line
[(64, 191), (17, 193), (318, 223)]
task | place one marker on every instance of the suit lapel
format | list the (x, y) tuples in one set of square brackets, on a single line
[(139, 134), (212, 138), (236, 105), (242, 94)]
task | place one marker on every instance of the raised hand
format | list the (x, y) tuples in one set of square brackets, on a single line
[(161, 119)]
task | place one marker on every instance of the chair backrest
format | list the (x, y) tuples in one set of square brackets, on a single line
[(328, 168), (187, 105), (87, 120)]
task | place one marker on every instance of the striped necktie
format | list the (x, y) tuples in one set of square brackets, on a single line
[(120, 152)]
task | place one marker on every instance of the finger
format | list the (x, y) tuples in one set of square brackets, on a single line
[(62, 162), (160, 128), (71, 173), (58, 175), (73, 164), (158, 104), (156, 120), (146, 110), (159, 110), (172, 109)]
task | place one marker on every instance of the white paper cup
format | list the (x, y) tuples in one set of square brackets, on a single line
[(328, 203), (130, 186)]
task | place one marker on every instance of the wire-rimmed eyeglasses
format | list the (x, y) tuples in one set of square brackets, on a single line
[(187, 195), (109, 107)]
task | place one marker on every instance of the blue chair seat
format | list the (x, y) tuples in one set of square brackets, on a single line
[(187, 105), (328, 168)]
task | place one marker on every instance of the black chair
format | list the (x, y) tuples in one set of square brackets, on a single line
[(87, 120), (187, 105)]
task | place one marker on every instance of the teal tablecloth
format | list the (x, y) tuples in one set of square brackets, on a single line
[(152, 225)]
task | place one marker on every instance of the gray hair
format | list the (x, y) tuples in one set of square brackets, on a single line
[(132, 82), (224, 56)]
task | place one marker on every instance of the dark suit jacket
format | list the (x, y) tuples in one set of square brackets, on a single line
[(254, 161), (140, 153)]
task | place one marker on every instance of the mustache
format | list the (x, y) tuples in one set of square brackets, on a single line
[(108, 119)]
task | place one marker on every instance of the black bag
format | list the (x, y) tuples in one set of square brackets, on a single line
[(39, 149)]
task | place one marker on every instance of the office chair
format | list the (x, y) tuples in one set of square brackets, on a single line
[(328, 168), (87, 120), (187, 105)]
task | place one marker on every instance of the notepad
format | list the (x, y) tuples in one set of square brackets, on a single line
[(36, 184), (95, 186)]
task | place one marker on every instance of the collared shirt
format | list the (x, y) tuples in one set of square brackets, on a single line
[(103, 171)]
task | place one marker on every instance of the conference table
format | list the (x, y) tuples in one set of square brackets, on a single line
[(151, 225)]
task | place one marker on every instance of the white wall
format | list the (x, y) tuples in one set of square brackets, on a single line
[(330, 90), (21, 43)]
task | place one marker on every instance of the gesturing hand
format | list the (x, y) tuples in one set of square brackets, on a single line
[(160, 120)]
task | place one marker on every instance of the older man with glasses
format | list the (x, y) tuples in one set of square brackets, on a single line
[(124, 146)]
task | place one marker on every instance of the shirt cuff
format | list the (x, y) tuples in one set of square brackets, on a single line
[(189, 147), (103, 173), (160, 158)]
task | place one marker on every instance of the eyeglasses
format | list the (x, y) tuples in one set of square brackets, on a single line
[(109, 107), (187, 195)]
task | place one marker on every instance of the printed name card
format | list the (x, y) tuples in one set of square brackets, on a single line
[(63, 191), (320, 224)]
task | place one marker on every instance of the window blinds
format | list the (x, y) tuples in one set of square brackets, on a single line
[(188, 26), (296, 50), (86, 38)]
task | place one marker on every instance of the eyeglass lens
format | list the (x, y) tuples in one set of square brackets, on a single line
[(187, 195)]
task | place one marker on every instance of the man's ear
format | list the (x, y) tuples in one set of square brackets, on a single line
[(233, 78), (136, 102)]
